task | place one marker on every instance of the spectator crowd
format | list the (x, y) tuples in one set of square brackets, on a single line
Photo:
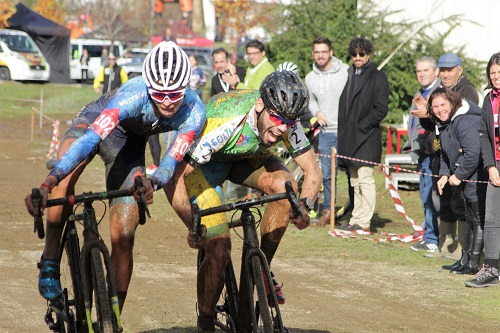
[(229, 138), (445, 128)]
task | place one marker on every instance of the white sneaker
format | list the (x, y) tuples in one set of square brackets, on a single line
[(151, 169), (425, 246)]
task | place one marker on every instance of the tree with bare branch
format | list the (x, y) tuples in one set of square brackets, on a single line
[(107, 16), (7, 9)]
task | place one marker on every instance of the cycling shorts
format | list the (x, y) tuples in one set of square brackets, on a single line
[(205, 185)]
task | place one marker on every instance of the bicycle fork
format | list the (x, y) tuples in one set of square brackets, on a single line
[(251, 249)]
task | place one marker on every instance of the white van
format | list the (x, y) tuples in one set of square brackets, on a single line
[(20, 58), (94, 47)]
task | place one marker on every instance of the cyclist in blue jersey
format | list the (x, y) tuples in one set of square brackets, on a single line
[(234, 145), (116, 127)]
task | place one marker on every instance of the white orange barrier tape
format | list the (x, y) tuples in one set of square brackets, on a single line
[(54, 143), (398, 203)]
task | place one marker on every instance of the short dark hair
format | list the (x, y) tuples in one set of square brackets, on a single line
[(452, 97), (360, 44), (257, 44), (322, 40), (220, 50), (494, 60)]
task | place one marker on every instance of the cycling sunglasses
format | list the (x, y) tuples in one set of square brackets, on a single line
[(280, 120), (173, 96)]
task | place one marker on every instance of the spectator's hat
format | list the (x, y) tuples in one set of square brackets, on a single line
[(449, 60)]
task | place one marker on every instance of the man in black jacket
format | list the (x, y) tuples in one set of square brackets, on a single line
[(363, 105), (224, 67), (110, 77)]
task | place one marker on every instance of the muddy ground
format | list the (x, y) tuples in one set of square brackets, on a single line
[(324, 294)]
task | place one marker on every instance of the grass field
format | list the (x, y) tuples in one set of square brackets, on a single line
[(423, 281)]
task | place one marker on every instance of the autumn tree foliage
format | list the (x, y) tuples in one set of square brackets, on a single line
[(236, 15), (51, 9), (7, 9)]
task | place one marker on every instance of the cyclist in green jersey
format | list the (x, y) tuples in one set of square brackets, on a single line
[(234, 145)]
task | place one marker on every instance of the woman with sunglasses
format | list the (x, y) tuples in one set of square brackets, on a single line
[(116, 127), (241, 127), (461, 164)]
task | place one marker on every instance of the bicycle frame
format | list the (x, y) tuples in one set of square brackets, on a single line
[(253, 259), (91, 255), (251, 249)]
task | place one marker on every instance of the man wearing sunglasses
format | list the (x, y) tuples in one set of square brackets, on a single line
[(234, 145), (363, 105), (116, 127)]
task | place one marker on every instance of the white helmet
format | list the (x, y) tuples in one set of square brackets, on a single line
[(288, 66), (166, 67)]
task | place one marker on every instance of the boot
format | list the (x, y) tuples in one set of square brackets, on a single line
[(447, 232), (461, 239), (469, 239), (459, 263), (471, 267)]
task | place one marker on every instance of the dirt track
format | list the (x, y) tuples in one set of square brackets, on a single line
[(323, 294)]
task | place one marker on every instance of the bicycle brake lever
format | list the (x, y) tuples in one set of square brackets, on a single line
[(138, 184), (36, 199)]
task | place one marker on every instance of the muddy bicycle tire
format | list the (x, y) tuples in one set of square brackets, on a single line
[(264, 320), (74, 306), (226, 309), (103, 311)]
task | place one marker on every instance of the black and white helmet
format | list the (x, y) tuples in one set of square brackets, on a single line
[(284, 92), (166, 67), (289, 66)]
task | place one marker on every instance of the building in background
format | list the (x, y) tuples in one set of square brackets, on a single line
[(476, 34)]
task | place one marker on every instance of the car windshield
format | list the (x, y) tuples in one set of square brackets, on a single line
[(19, 43)]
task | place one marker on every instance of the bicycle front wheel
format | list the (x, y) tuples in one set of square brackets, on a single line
[(103, 311), (263, 313), (71, 280)]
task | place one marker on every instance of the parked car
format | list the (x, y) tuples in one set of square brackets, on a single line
[(132, 61), (204, 56), (20, 58)]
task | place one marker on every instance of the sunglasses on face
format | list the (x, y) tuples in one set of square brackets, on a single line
[(172, 96), (361, 54), (279, 120)]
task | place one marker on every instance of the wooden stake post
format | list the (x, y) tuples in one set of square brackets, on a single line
[(333, 192)]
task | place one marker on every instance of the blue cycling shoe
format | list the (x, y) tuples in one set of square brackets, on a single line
[(49, 284)]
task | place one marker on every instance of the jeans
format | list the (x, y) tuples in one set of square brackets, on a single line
[(492, 225), (431, 224), (326, 141)]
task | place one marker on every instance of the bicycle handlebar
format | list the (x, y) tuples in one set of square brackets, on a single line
[(88, 196), (36, 199), (197, 214)]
